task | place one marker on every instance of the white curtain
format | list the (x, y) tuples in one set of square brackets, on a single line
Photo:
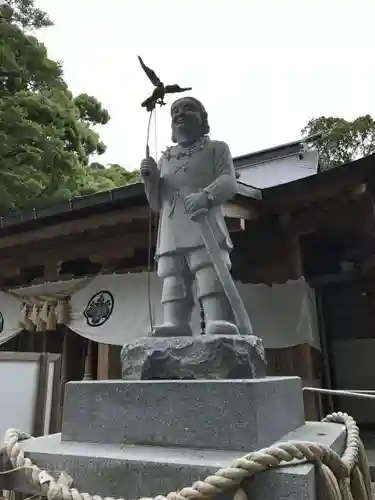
[(114, 309), (53, 288), (130, 317), (283, 315), (9, 316), (128, 308)]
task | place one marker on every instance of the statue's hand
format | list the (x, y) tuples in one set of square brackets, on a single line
[(195, 202), (148, 168)]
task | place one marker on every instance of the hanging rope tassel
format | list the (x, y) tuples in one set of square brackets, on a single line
[(24, 316), (34, 314), (43, 313), (62, 312), (40, 325), (51, 322)]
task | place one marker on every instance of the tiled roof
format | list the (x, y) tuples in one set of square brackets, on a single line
[(268, 188)]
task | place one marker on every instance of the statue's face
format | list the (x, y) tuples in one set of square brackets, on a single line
[(186, 120)]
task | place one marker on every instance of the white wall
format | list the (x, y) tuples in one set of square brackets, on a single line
[(18, 393), (280, 171)]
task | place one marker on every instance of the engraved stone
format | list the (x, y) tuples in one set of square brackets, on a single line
[(194, 357)]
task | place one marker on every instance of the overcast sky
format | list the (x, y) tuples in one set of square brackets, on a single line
[(262, 68)]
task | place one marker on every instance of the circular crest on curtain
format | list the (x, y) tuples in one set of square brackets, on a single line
[(99, 308)]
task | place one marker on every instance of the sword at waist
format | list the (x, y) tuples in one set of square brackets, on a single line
[(223, 273)]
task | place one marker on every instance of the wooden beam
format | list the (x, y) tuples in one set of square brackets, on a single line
[(337, 214), (101, 244), (52, 270), (358, 190), (311, 190), (77, 226), (108, 258), (9, 269), (234, 225), (75, 239), (118, 247), (235, 211), (342, 277), (93, 222)]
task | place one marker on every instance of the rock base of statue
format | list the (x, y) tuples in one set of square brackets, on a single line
[(203, 357)]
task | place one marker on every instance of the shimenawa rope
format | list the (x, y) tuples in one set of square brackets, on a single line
[(342, 478)]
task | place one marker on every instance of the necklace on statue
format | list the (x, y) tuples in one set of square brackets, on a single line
[(180, 152)]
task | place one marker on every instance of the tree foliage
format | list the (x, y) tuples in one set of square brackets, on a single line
[(46, 134), (101, 178), (25, 14), (342, 141)]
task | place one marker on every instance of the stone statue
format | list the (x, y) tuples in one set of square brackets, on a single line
[(195, 174)]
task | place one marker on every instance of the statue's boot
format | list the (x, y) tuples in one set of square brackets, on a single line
[(177, 315), (218, 315)]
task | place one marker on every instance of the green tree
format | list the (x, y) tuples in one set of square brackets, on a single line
[(100, 178), (46, 134), (96, 177), (341, 140), (25, 14)]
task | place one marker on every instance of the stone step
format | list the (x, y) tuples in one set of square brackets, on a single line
[(238, 415), (133, 471)]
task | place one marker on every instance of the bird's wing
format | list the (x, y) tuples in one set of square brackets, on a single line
[(171, 89), (150, 73), (146, 102)]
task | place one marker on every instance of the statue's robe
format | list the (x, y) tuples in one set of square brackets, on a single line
[(210, 169)]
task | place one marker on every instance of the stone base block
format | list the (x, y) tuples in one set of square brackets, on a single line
[(136, 471), (238, 415), (193, 358)]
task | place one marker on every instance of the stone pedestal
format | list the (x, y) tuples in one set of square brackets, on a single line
[(132, 471), (134, 438), (219, 414)]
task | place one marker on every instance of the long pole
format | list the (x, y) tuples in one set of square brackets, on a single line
[(223, 273)]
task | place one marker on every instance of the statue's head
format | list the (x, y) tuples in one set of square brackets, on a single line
[(189, 120)]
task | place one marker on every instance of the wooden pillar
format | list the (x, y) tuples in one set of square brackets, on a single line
[(303, 361), (88, 362), (54, 340), (109, 363), (26, 341), (103, 362), (74, 355), (114, 357)]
